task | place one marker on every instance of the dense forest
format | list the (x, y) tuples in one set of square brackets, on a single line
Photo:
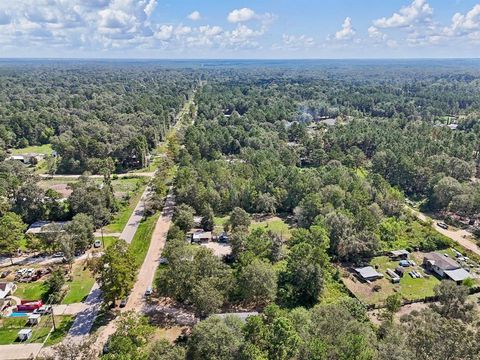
[(334, 149)]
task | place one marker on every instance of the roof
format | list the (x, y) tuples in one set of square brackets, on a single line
[(242, 315), (24, 331), (41, 226), (441, 261), (399, 252), (202, 235), (458, 274), (5, 289), (368, 272)]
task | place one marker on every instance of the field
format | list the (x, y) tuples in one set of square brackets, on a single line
[(41, 149), (30, 291), (409, 288), (273, 223)]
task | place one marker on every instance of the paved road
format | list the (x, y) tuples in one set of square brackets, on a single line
[(136, 218), (85, 318), (20, 351), (462, 237)]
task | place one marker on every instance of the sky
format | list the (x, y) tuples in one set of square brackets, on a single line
[(234, 29)]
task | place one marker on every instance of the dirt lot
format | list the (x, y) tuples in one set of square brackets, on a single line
[(218, 249)]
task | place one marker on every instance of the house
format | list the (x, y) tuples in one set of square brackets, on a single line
[(34, 319), (24, 334), (368, 273), (398, 254), (42, 227), (6, 290), (445, 267), (201, 236)]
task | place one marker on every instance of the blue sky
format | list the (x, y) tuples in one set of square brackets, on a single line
[(240, 29)]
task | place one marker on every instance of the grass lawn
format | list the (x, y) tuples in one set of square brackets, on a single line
[(409, 288), (9, 328), (41, 149), (142, 238), (121, 217), (108, 240), (80, 286), (30, 291), (275, 225), (61, 331)]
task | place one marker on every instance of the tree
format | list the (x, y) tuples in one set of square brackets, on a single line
[(445, 190), (54, 286), (283, 340), (453, 301), (116, 271), (84, 350), (208, 223), (258, 283), (266, 203), (393, 303), (207, 297), (239, 218), (11, 234), (81, 231), (183, 217), (163, 350), (129, 340), (215, 339)]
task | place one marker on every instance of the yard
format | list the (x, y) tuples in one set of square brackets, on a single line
[(9, 328), (80, 286), (273, 223), (377, 291), (30, 291)]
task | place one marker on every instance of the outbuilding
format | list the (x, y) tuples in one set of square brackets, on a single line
[(398, 254), (24, 334), (34, 319), (368, 273)]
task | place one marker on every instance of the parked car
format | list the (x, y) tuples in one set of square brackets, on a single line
[(149, 291), (44, 310), (58, 254), (97, 243), (123, 303), (442, 225), (5, 274)]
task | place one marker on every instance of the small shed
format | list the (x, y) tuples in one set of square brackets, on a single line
[(400, 271), (368, 273), (34, 319), (399, 254), (24, 334)]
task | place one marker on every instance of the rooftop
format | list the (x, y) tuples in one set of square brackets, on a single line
[(442, 261), (458, 274), (368, 272)]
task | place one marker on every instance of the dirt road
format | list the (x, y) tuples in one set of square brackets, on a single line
[(139, 174), (146, 275), (462, 237)]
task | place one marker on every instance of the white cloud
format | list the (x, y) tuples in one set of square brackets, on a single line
[(164, 33), (374, 33), (464, 24), (417, 11), (241, 15), (150, 8), (195, 16), (296, 42), (347, 32)]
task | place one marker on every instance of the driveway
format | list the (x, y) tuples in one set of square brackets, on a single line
[(85, 318)]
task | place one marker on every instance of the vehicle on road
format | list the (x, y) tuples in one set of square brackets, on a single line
[(442, 225), (97, 244), (123, 303), (149, 291), (43, 310)]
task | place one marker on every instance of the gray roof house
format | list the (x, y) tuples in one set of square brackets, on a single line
[(368, 273), (445, 267)]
